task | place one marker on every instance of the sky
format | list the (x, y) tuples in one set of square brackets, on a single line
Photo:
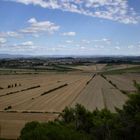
[(70, 27)]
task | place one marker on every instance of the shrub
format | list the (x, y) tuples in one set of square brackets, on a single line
[(9, 107), (9, 86), (50, 131), (1, 88)]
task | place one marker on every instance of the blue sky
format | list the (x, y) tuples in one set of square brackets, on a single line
[(70, 27)]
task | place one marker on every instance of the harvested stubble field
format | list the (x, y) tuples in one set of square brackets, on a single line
[(28, 101), (100, 94), (12, 123), (43, 83), (90, 68), (42, 97), (54, 101), (132, 76), (123, 82)]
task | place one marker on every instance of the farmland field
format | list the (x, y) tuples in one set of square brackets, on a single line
[(12, 123), (90, 68), (41, 97), (125, 81), (101, 94)]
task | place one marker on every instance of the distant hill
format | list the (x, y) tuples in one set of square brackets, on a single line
[(98, 58), (10, 56)]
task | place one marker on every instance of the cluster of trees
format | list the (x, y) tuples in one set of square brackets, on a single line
[(80, 124)]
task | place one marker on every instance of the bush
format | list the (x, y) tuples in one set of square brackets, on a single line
[(1, 88), (9, 86), (9, 107), (50, 131), (136, 85)]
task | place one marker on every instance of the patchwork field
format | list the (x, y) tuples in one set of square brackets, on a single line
[(42, 97), (26, 98), (30, 95)]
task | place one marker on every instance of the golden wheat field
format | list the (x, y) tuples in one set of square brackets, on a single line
[(41, 97)]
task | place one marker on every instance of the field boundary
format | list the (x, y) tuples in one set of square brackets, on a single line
[(30, 88), (90, 79), (51, 90), (30, 112)]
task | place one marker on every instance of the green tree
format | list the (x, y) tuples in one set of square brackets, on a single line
[(50, 131)]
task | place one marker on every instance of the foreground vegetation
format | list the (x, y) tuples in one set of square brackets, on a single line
[(79, 123)]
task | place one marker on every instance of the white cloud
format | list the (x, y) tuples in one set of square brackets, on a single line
[(107, 41), (69, 34), (13, 34), (32, 20), (10, 34), (83, 47), (40, 27), (24, 46), (130, 46), (99, 46), (35, 29), (117, 47), (3, 40), (103, 40), (77, 45), (116, 10), (138, 44), (69, 41), (86, 41), (28, 43)]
